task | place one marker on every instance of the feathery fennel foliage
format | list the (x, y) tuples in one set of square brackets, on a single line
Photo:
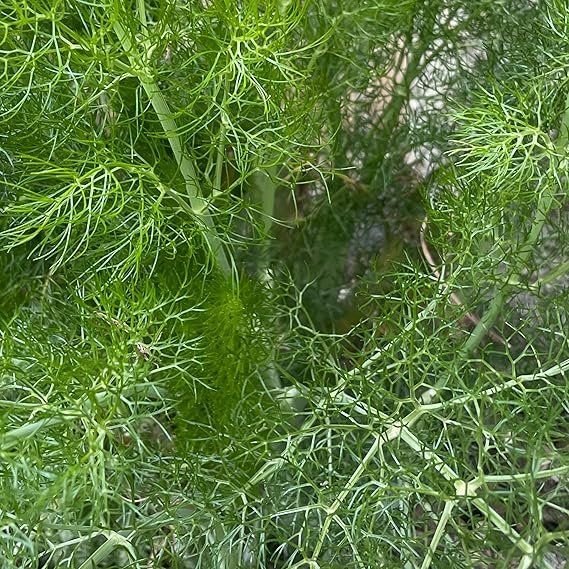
[(283, 284)]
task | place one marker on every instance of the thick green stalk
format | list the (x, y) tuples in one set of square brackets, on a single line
[(544, 205), (390, 118), (265, 189), (187, 168)]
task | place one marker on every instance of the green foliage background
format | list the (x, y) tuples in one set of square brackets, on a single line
[(222, 341)]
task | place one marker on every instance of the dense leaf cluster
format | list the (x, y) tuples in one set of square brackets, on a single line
[(282, 283)]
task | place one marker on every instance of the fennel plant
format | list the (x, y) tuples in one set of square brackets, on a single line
[(283, 284)]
